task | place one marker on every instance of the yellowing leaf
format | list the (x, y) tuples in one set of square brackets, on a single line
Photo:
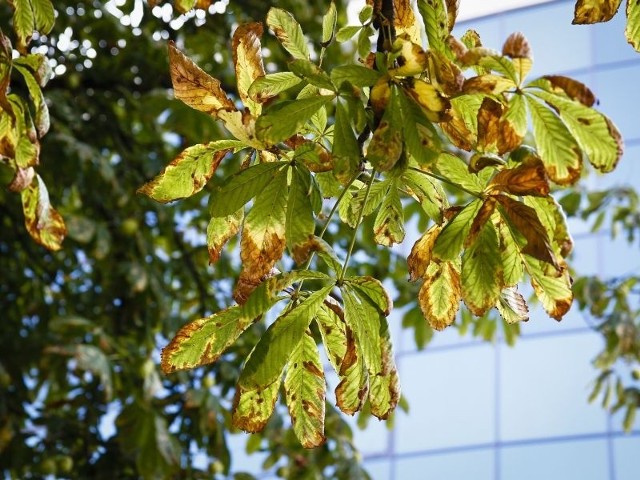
[(462, 126), (574, 89), (184, 6), (513, 124), (488, 83), (596, 134), (242, 125), (288, 31), (440, 294), (482, 272), (482, 217), (252, 407), (43, 222), (386, 146), (528, 178), (219, 231), (593, 11), (420, 257), (188, 173), (405, 21), (194, 87), (552, 287), (344, 357), (202, 341), (435, 105), (305, 388), (263, 236), (300, 222), (247, 59), (552, 217), (558, 149), (444, 74), (388, 228), (632, 30), (411, 60), (429, 193)]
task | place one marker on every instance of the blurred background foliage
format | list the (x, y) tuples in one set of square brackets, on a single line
[(82, 327)]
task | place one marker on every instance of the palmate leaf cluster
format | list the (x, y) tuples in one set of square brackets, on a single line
[(24, 119), (405, 125)]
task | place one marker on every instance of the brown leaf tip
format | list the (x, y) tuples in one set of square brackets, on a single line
[(517, 46)]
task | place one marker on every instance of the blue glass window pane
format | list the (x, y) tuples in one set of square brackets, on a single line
[(469, 465), (584, 460), (544, 387), (627, 460), (451, 398)]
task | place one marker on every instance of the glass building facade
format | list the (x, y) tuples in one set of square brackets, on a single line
[(489, 411)]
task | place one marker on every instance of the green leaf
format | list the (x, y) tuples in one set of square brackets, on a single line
[(430, 194), (596, 134), (345, 33), (23, 22), (356, 75), (305, 390), (281, 123), (365, 14), (356, 205), (252, 407), (364, 42), (44, 15), (220, 230), (329, 21), (632, 30), (558, 149), (184, 6), (421, 140), (345, 150), (368, 322), (386, 145), (388, 227), (268, 358), (189, 172), (288, 31), (440, 294), (272, 84), (373, 289), (452, 237), (503, 65), (310, 72), (42, 122), (38, 65), (242, 187), (512, 265), (300, 222), (263, 239), (434, 16), (202, 341), (482, 272), (455, 170), (43, 222)]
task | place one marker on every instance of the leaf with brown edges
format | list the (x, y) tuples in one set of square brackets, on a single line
[(594, 11), (247, 59), (528, 178)]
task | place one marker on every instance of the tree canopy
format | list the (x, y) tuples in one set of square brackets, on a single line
[(262, 225)]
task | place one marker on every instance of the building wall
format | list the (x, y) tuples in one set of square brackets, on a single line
[(487, 412)]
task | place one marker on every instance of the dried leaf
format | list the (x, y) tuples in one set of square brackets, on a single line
[(525, 220), (405, 21), (574, 89), (489, 129), (247, 59), (552, 286), (194, 87), (420, 257), (593, 11), (528, 178), (43, 222), (512, 306), (517, 46)]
